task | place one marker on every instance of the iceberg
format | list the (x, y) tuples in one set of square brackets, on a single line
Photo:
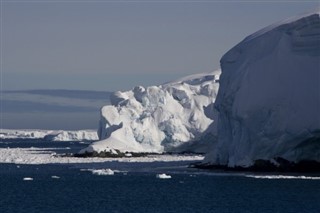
[(174, 117), (269, 96)]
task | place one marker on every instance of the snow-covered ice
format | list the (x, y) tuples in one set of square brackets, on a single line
[(23, 134), (269, 96), (176, 116), (47, 156), (79, 135)]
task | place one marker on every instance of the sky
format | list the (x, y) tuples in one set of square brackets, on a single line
[(115, 45), (66, 52)]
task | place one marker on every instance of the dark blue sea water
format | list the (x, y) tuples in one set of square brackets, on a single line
[(81, 191)]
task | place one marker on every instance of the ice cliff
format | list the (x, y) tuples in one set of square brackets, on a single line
[(269, 97), (173, 117)]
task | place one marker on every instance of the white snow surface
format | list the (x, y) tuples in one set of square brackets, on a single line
[(50, 135), (269, 97), (176, 116)]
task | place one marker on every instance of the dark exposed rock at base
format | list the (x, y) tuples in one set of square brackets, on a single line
[(118, 154), (283, 165)]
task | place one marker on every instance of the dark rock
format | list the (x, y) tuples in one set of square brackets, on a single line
[(283, 165)]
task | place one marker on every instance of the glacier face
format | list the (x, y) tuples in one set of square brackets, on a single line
[(173, 117), (269, 97)]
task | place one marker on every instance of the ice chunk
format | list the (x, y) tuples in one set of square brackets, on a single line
[(102, 172), (163, 176), (27, 178)]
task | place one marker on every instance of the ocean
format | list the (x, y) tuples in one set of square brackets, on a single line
[(68, 188)]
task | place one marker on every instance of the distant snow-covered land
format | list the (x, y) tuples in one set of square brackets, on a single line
[(50, 135)]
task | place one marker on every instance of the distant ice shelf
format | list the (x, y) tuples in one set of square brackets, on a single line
[(50, 135)]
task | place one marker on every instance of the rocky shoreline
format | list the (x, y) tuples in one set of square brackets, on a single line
[(114, 154)]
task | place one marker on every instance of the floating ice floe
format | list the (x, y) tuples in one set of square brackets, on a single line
[(163, 176), (102, 172), (27, 178), (55, 177)]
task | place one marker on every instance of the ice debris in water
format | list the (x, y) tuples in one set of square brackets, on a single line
[(102, 172), (27, 178), (163, 176)]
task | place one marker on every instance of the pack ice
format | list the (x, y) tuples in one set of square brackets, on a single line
[(173, 117), (269, 97)]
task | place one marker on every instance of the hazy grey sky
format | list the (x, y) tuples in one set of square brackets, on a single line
[(103, 45)]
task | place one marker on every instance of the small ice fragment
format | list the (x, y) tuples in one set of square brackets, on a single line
[(103, 172), (163, 176), (27, 178), (55, 177), (128, 155), (18, 166)]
